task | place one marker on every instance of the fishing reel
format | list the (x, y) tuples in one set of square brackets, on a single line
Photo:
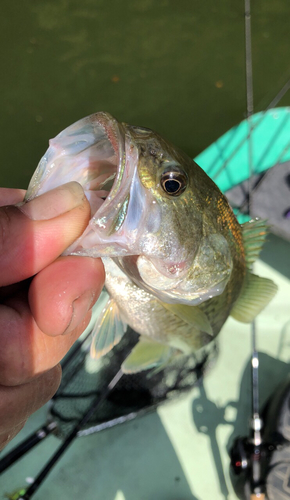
[(260, 464), (249, 462)]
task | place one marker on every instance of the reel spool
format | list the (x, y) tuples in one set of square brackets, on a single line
[(271, 458)]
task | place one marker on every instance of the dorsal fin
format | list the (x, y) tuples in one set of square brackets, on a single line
[(256, 294), (254, 235), (108, 330)]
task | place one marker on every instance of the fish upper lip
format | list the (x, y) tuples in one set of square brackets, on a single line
[(101, 226), (116, 135)]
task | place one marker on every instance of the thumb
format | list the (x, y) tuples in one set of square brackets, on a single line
[(34, 234)]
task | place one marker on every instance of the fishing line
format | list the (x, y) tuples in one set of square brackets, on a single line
[(279, 95)]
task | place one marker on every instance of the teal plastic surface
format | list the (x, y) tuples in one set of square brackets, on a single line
[(226, 161)]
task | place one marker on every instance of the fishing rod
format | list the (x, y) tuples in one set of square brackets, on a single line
[(257, 484), (70, 438), (51, 426), (248, 454), (79, 429), (259, 456)]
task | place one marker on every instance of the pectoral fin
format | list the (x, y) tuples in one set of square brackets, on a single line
[(191, 315), (108, 330), (146, 354), (256, 294)]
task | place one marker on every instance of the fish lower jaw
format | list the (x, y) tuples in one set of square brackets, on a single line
[(94, 243), (103, 251)]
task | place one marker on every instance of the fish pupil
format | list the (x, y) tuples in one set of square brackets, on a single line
[(172, 186)]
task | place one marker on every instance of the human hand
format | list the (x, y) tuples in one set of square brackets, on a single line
[(45, 299)]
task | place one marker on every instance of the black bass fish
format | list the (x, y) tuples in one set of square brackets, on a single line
[(177, 261)]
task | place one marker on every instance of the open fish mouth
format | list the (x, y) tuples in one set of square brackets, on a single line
[(91, 152), (105, 161)]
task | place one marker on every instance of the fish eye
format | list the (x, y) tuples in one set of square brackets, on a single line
[(173, 182)]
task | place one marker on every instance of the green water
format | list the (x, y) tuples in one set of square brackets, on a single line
[(176, 66)]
